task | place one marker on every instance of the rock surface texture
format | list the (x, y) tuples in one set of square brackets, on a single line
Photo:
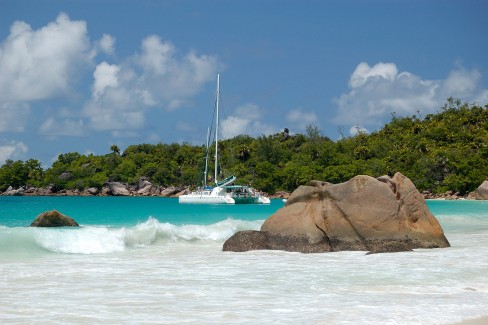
[(53, 219), (12, 192), (481, 192), (117, 189), (363, 214)]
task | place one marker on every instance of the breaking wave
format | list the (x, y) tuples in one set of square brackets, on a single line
[(103, 240)]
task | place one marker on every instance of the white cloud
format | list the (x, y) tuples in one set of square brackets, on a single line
[(47, 63), (68, 127), (245, 120), (107, 118), (170, 77), (379, 91), (301, 119), (107, 44), (40, 64), (482, 98), (234, 125), (43, 63), (12, 150), (105, 75), (354, 130), (461, 83), (157, 56), (157, 77), (364, 72)]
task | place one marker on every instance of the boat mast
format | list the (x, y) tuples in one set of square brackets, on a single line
[(206, 160), (217, 126)]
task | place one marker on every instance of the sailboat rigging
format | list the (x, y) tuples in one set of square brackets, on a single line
[(222, 192)]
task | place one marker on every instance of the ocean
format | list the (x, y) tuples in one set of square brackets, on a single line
[(148, 260)]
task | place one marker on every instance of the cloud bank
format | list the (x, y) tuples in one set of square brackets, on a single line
[(12, 150), (246, 119), (378, 91), (42, 64), (39, 65), (156, 77), (51, 63)]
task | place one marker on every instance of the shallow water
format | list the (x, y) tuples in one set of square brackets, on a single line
[(158, 271)]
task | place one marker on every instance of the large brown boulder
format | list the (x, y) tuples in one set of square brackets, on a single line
[(481, 192), (53, 219), (372, 214)]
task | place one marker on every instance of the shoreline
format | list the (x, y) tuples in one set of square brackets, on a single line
[(145, 188), (174, 192)]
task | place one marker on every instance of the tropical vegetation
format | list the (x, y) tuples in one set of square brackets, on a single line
[(439, 152)]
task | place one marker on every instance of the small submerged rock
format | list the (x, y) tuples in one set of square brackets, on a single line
[(53, 219)]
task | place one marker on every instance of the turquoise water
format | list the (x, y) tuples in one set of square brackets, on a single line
[(460, 216), (19, 211), (458, 207), (140, 260)]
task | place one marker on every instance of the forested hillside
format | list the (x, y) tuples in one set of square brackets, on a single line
[(438, 152)]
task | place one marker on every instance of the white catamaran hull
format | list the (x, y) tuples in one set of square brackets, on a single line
[(215, 196), (205, 199)]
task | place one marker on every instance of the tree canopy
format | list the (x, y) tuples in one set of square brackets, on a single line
[(439, 152)]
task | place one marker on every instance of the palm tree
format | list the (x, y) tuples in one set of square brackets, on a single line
[(115, 149)]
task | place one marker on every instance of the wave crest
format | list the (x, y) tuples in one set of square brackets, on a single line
[(152, 231), (102, 240)]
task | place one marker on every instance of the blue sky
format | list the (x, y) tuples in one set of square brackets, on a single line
[(84, 75)]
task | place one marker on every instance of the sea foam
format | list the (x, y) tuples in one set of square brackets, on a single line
[(152, 231), (103, 239), (170, 269)]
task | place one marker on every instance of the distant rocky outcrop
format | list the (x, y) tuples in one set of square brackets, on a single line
[(91, 191), (14, 192), (170, 191), (280, 195), (182, 191), (481, 192), (117, 189), (143, 182), (53, 219), (363, 214), (448, 195), (148, 189)]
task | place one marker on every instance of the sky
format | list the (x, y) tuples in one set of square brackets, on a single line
[(81, 76)]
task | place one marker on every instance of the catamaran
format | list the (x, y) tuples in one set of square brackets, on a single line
[(223, 192), (243, 194)]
